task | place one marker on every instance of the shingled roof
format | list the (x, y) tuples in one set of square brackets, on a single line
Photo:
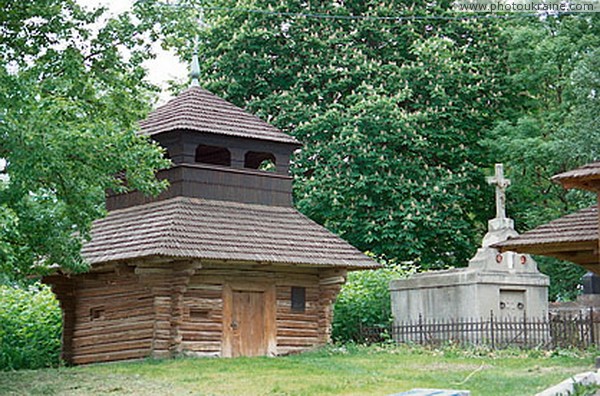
[(185, 227), (576, 227), (573, 237), (586, 177), (199, 110)]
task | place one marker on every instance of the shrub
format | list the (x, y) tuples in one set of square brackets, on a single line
[(30, 326), (365, 301)]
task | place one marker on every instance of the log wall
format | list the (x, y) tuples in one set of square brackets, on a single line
[(202, 327), (113, 317), (163, 309)]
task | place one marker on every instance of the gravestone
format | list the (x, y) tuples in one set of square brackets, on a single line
[(585, 303), (505, 285), (591, 283)]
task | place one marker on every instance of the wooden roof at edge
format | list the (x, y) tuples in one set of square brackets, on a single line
[(586, 177)]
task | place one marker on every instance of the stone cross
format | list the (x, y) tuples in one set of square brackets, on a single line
[(501, 184)]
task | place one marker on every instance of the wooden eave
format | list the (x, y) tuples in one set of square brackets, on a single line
[(589, 183), (586, 177)]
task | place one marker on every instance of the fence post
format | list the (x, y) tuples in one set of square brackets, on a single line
[(421, 329), (525, 329), (592, 335), (492, 329)]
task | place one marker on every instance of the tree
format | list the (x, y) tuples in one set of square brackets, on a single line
[(391, 113), (71, 92), (552, 126), (400, 119)]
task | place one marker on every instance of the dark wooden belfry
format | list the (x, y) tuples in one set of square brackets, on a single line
[(220, 264), (217, 150)]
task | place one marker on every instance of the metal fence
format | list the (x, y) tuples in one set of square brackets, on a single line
[(578, 330)]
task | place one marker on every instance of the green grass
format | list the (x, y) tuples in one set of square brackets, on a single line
[(375, 370)]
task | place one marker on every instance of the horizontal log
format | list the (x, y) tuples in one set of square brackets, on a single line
[(251, 278), (294, 324), (308, 282), (286, 296), (108, 287), (201, 335), (114, 347), (311, 306), (297, 332), (163, 325), (153, 271), (102, 276), (160, 334), (109, 357), (304, 317), (161, 344), (127, 335), (114, 302), (334, 280), (223, 276), (162, 309), (202, 302), (201, 346), (115, 312), (124, 314), (117, 298), (216, 264), (202, 326), (115, 293), (90, 329), (213, 297), (196, 285), (297, 341)]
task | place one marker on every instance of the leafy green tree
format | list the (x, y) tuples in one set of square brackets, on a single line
[(553, 125), (71, 92), (391, 113), (400, 118)]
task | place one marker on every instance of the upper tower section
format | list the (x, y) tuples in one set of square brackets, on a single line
[(197, 109), (199, 127), (219, 151)]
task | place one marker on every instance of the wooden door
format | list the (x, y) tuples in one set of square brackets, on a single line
[(247, 324)]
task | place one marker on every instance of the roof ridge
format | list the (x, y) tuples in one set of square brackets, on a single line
[(198, 109)]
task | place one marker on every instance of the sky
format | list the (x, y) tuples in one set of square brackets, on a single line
[(164, 67)]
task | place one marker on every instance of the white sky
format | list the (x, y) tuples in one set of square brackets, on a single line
[(164, 67)]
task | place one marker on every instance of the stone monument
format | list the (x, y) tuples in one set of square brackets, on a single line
[(505, 285)]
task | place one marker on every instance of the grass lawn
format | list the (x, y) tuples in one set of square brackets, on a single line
[(371, 370)]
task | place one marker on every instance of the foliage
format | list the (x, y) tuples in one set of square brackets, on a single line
[(565, 278), (365, 301), (336, 370), (553, 124), (71, 92), (580, 389), (30, 325), (391, 114)]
